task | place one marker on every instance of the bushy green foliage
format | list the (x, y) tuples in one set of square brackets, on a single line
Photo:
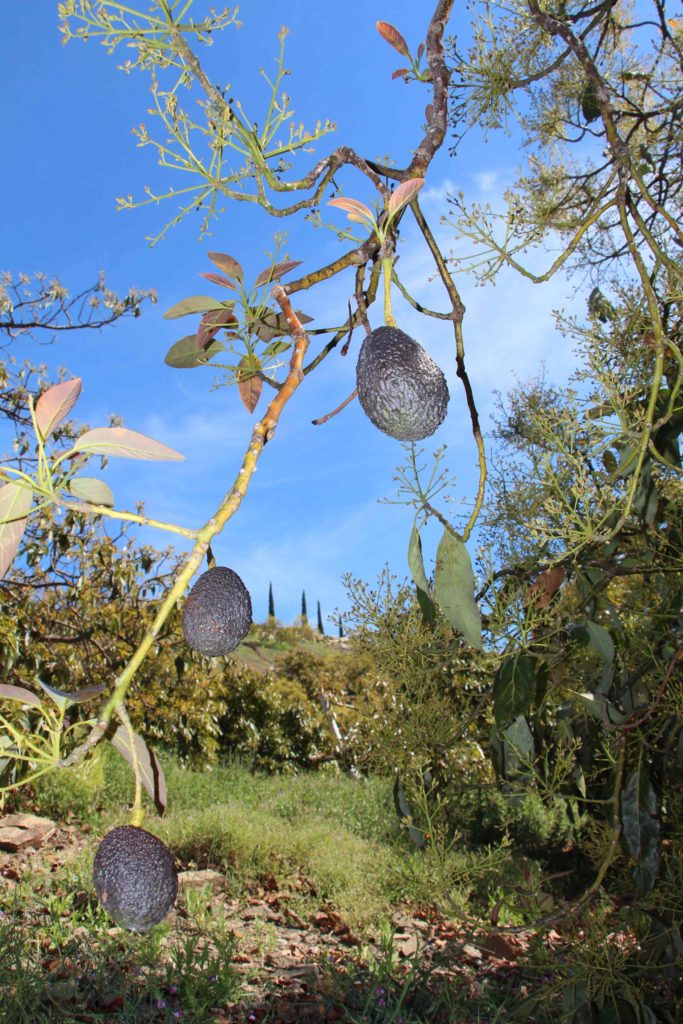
[(484, 816), (271, 722), (100, 786)]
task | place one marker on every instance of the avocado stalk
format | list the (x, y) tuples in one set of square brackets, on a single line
[(137, 812), (387, 256)]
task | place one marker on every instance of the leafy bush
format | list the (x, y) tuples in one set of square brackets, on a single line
[(271, 722), (484, 816)]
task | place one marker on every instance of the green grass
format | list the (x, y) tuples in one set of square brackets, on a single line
[(338, 835)]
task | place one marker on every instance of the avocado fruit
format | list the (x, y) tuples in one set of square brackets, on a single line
[(135, 877), (400, 387), (217, 612)]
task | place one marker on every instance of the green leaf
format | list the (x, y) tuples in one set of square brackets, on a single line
[(646, 499), (590, 108), (126, 444), (9, 692), (627, 464), (514, 689), (88, 488), (150, 769), (415, 561), (195, 304), (609, 461), (641, 827), (185, 355), (602, 709), (56, 695), (600, 307), (426, 607), (576, 1003), (405, 814), (520, 738), (63, 698), (601, 641), (275, 348), (454, 588)]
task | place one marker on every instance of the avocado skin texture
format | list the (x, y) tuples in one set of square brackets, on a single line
[(400, 387), (135, 877), (217, 612)]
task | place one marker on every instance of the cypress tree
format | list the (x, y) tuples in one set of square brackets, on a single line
[(304, 616), (341, 628), (271, 603), (320, 621)]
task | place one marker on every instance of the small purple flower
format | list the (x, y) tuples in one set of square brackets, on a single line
[(213, 978), (381, 1002), (379, 991), (161, 1004), (178, 1014), (251, 1017), (173, 990)]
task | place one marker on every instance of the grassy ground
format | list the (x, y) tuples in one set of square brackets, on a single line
[(314, 874)]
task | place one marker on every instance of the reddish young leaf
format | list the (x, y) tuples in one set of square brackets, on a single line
[(276, 272), (353, 206), (541, 593), (420, 51), (393, 37), (402, 195), (211, 323), (127, 444), (219, 279), (248, 384), (227, 264), (55, 404), (401, 73), (15, 504)]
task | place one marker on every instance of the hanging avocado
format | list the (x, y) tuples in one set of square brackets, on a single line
[(217, 612), (135, 877), (400, 387)]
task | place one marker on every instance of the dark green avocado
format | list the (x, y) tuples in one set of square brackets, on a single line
[(400, 387), (217, 612), (135, 877)]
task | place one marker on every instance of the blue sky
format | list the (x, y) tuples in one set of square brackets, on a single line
[(312, 512)]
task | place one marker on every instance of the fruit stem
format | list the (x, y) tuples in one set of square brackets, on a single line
[(137, 812), (387, 263)]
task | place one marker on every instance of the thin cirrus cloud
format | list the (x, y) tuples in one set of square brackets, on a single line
[(509, 331), (308, 559)]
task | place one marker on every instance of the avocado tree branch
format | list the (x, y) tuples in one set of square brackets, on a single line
[(263, 432), (328, 416), (457, 318)]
